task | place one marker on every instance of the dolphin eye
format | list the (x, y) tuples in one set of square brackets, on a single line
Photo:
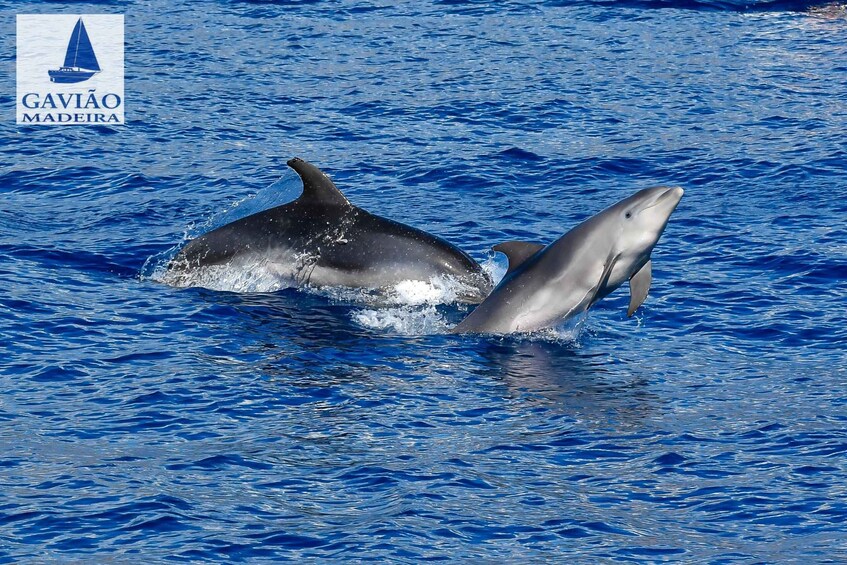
[(629, 214)]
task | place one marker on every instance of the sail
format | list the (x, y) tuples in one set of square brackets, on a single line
[(80, 53)]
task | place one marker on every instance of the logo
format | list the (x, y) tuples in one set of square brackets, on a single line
[(70, 69)]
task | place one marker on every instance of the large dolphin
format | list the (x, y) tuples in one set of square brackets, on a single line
[(321, 239), (545, 286)]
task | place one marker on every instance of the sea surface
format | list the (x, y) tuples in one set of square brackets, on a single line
[(140, 422)]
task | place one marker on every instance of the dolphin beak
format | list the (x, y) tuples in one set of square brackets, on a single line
[(677, 192), (673, 194)]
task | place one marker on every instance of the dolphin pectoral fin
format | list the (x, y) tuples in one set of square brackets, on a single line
[(639, 286), (317, 186), (601, 290), (517, 252)]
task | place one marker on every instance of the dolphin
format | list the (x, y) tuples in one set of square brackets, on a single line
[(321, 239), (546, 285)]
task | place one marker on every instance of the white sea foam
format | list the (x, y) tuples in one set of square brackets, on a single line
[(404, 320), (568, 331), (495, 266), (410, 307), (247, 278)]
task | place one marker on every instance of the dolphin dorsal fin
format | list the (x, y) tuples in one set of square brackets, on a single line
[(639, 285), (517, 252), (317, 186)]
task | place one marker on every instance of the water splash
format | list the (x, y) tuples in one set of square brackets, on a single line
[(404, 320), (495, 266), (410, 307), (254, 278), (285, 189)]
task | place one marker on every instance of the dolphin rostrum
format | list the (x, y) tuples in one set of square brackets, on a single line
[(545, 286), (321, 239)]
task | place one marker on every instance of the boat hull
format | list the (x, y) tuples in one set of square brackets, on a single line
[(70, 76)]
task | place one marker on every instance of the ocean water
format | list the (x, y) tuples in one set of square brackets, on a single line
[(145, 423)]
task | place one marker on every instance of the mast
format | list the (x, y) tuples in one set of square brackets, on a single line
[(77, 30)]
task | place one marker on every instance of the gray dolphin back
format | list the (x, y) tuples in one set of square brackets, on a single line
[(321, 239)]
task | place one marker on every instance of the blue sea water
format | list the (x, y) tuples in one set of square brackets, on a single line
[(145, 423)]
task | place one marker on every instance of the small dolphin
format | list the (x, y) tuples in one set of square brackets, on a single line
[(321, 239), (545, 286)]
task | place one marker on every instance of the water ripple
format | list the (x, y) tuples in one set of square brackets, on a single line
[(190, 424)]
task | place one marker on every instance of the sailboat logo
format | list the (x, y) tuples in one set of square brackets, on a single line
[(80, 61)]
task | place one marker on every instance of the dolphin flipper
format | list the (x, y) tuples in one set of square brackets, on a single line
[(517, 252), (639, 286), (317, 186)]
